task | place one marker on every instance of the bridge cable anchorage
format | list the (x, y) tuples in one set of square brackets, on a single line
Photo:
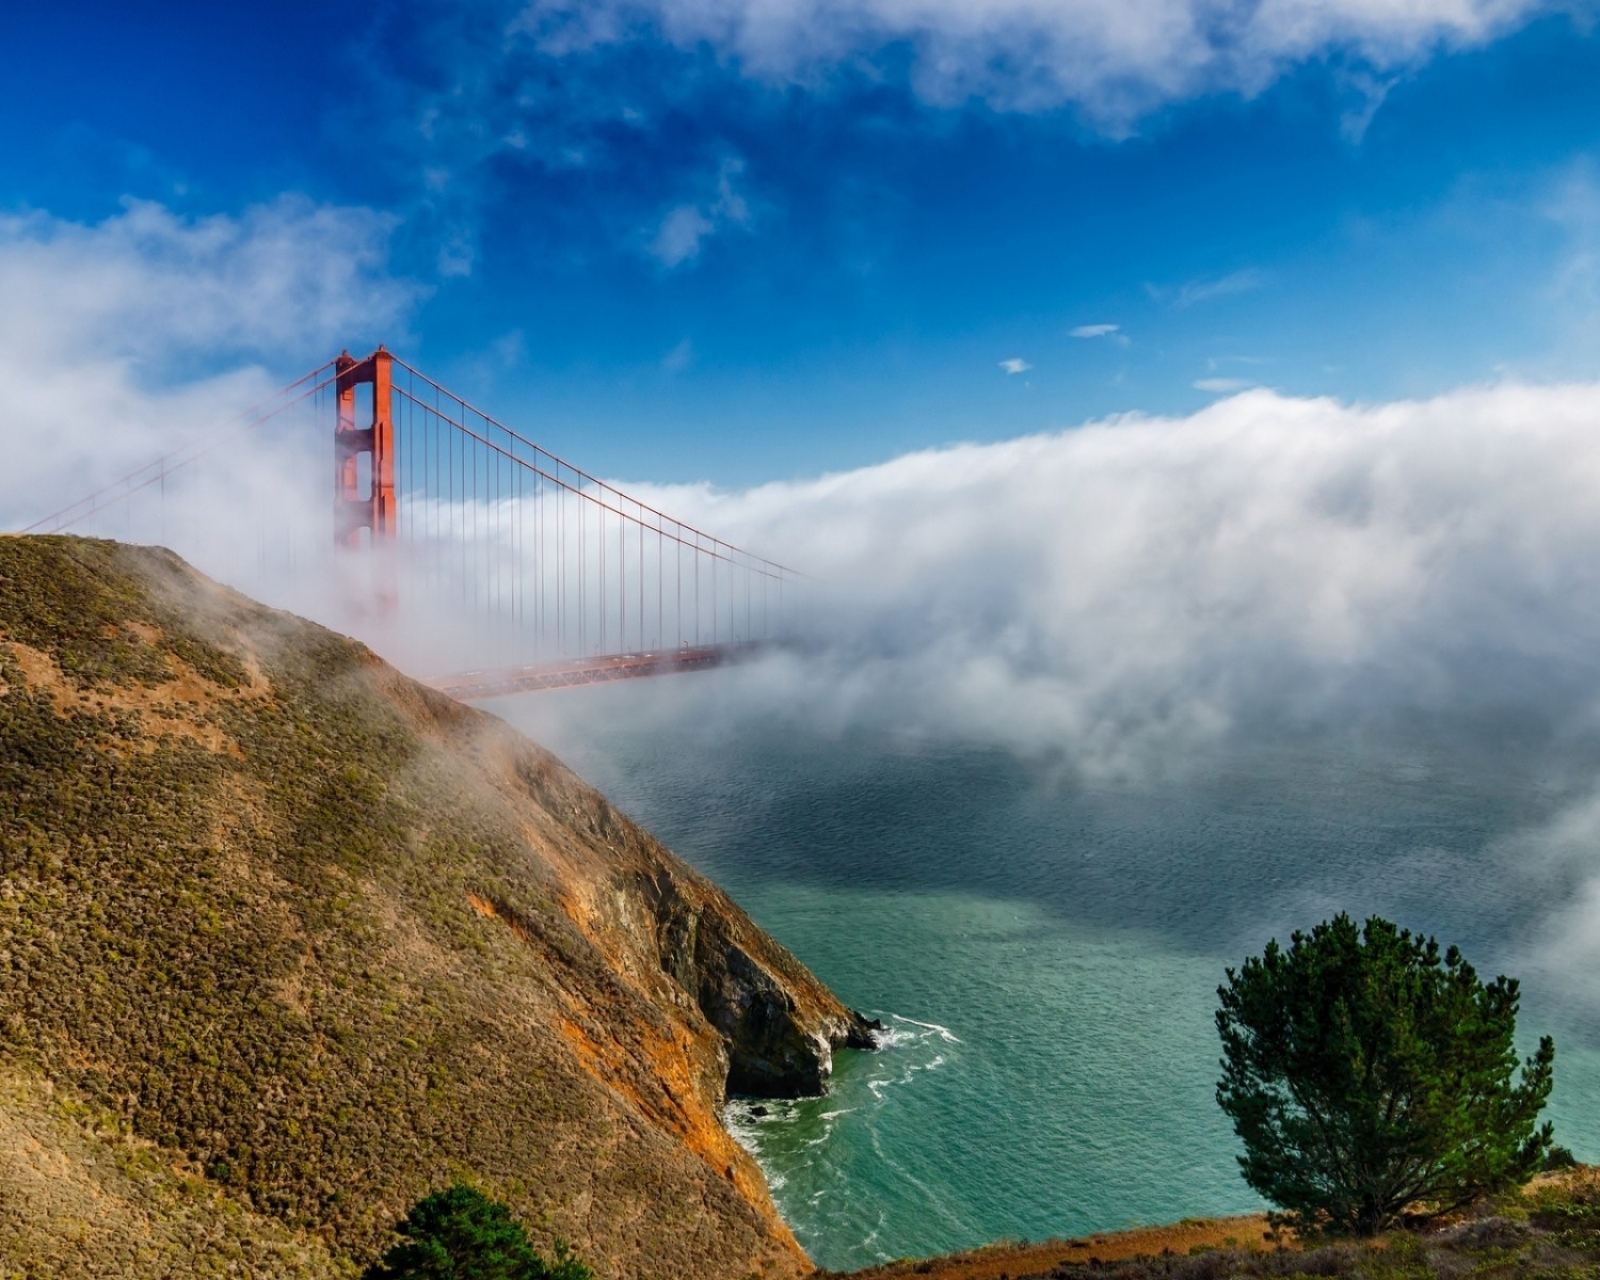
[(539, 574)]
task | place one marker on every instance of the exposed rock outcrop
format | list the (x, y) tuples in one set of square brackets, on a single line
[(321, 939), (780, 1025)]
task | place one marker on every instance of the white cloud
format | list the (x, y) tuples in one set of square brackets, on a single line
[(1015, 365), (285, 278), (685, 227), (678, 237), (1222, 386), (1094, 330), (1146, 585), (1115, 58), (123, 339)]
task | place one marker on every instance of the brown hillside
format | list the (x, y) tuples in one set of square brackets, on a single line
[(304, 940), (1549, 1230)]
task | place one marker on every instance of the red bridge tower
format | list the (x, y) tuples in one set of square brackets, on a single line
[(374, 510)]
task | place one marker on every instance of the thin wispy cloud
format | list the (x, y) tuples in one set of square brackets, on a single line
[(638, 95), (1222, 386), (679, 358), (1573, 206), (685, 227), (678, 238), (1094, 330), (1015, 365), (1207, 289), (1369, 91)]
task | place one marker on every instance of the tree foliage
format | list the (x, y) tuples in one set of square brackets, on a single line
[(460, 1234), (1369, 1076)]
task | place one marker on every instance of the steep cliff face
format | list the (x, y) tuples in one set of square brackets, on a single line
[(663, 923), (322, 940), (779, 1024)]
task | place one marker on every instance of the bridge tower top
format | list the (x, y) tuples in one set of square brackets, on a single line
[(375, 508)]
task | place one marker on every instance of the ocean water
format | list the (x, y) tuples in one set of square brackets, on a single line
[(1044, 947)]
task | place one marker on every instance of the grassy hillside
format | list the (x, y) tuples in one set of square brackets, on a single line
[(309, 941), (80, 1195)]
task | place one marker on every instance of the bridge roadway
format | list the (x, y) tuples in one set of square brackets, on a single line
[(474, 686)]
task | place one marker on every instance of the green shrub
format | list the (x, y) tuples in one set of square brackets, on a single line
[(460, 1234)]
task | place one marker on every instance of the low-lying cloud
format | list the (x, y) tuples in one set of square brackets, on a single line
[(1142, 582)]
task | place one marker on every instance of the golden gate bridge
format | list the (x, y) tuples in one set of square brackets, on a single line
[(558, 578)]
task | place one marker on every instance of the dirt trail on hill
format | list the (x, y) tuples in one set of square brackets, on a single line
[(1017, 1261)]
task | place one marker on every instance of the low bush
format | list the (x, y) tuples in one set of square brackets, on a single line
[(461, 1234)]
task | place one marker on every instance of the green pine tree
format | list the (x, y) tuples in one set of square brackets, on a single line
[(1369, 1077), (460, 1234)]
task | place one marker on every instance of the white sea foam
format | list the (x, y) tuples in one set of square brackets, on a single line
[(793, 1141), (944, 1033)]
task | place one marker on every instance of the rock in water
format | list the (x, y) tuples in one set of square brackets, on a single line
[(288, 940)]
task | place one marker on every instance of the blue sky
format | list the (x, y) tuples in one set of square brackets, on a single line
[(718, 240)]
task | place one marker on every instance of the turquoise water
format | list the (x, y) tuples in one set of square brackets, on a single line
[(1045, 950), (1043, 1104)]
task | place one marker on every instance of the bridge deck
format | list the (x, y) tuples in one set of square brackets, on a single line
[(473, 686)]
